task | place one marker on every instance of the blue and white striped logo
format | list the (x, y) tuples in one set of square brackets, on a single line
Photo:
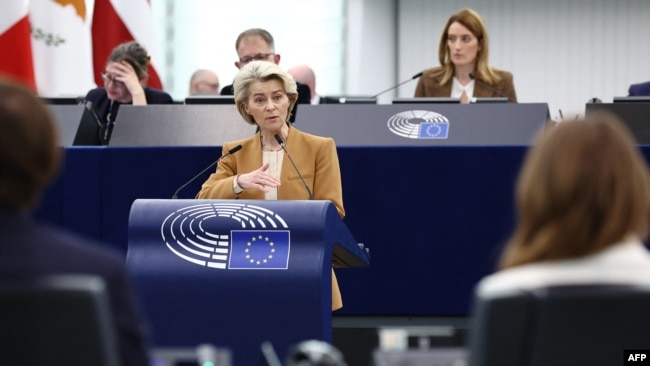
[(419, 124), (254, 238)]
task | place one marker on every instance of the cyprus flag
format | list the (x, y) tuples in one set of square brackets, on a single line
[(62, 48)]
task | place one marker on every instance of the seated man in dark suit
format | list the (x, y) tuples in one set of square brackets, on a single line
[(638, 90), (257, 44), (29, 158)]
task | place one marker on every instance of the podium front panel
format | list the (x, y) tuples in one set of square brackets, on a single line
[(424, 124), (235, 273)]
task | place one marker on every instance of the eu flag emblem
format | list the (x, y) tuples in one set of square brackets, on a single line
[(437, 130), (259, 249)]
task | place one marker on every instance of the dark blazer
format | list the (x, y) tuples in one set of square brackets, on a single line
[(103, 105), (28, 249), (304, 97), (429, 86), (639, 90)]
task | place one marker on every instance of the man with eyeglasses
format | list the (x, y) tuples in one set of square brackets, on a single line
[(257, 44)]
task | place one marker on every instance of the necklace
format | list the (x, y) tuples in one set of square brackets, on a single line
[(268, 148)]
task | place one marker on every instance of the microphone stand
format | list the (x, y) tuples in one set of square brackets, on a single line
[(398, 85)]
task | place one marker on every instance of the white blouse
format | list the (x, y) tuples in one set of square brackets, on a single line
[(627, 262), (457, 89), (274, 158)]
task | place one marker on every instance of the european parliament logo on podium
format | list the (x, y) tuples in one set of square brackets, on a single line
[(419, 124), (228, 236)]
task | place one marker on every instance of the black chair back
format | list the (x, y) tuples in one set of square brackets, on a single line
[(56, 320), (562, 325)]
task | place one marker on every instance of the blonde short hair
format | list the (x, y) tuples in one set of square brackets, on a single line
[(261, 71)]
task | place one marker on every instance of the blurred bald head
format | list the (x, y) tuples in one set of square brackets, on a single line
[(304, 75), (204, 81)]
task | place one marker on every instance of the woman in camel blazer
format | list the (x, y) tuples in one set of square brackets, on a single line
[(265, 94)]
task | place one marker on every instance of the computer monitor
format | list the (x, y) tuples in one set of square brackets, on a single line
[(210, 99), (62, 100), (426, 100), (635, 99), (347, 99), (634, 115), (66, 117), (490, 100), (91, 130)]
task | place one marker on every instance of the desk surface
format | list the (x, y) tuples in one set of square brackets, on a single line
[(424, 124)]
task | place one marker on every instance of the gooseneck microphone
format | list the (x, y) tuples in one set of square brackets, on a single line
[(279, 140), (398, 85), (471, 76), (230, 152)]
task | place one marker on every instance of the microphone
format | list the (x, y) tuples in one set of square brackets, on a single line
[(471, 76), (230, 152), (279, 140), (398, 85)]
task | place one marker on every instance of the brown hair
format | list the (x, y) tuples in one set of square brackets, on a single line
[(471, 20), (29, 150), (133, 53), (584, 186), (263, 33)]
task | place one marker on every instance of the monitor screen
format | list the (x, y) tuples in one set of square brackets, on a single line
[(636, 99), (347, 99), (490, 100), (91, 130), (62, 100), (426, 100), (210, 99)]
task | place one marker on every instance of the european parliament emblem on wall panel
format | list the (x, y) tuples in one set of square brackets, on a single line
[(228, 236), (419, 124)]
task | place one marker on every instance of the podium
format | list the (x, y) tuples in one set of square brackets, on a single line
[(236, 273)]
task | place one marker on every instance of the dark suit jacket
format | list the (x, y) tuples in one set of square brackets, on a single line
[(102, 104), (30, 250), (304, 97), (639, 90), (429, 86)]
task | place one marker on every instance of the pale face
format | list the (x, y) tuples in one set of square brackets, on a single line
[(462, 44), (207, 84), (255, 48), (116, 90), (268, 104)]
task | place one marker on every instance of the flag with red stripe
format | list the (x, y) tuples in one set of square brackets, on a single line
[(15, 43), (119, 21)]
